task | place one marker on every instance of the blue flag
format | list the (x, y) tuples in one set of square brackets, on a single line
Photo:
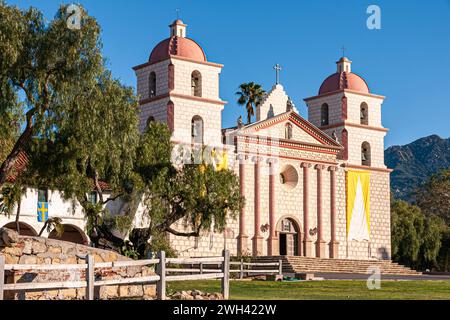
[(42, 211)]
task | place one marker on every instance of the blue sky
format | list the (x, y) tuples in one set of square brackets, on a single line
[(408, 60)]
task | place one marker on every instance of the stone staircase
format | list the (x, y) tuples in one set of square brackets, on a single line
[(294, 264)]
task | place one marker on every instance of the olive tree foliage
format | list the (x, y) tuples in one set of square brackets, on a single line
[(434, 200), (41, 62), (79, 128), (78, 125), (434, 196), (92, 149), (194, 197), (416, 239)]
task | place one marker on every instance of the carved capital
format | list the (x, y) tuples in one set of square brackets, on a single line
[(319, 167), (242, 158), (306, 165), (257, 159), (332, 168)]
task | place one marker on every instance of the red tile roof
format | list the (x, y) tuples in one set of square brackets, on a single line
[(177, 46), (344, 80)]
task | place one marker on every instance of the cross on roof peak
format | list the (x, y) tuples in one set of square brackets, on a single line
[(277, 69)]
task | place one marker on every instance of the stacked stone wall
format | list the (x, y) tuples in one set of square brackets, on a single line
[(42, 251)]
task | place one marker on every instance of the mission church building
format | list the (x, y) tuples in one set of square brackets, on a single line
[(314, 188)]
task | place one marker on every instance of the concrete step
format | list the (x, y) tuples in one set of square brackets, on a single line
[(292, 264)]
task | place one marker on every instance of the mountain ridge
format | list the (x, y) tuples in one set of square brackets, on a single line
[(413, 163)]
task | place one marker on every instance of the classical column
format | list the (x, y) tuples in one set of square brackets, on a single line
[(334, 244), (306, 238), (320, 243), (273, 248), (257, 238), (242, 237)]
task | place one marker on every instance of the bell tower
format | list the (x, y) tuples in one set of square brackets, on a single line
[(346, 110), (178, 86)]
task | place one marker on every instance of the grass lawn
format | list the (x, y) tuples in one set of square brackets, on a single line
[(321, 290)]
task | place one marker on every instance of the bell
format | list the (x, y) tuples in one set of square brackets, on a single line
[(363, 156)]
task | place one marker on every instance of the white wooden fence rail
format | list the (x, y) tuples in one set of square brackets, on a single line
[(161, 278)]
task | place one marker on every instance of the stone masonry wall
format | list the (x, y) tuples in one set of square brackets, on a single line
[(35, 250)]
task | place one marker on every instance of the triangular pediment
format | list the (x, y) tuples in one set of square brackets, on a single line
[(302, 130)]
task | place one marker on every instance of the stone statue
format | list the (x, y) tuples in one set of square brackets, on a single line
[(239, 122), (335, 137), (290, 105), (270, 113)]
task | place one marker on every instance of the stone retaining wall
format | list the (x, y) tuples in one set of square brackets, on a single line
[(35, 250)]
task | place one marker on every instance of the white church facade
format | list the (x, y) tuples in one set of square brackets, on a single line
[(317, 187)]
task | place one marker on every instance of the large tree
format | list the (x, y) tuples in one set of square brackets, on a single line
[(250, 95), (79, 128), (92, 150), (434, 199), (39, 64), (197, 196), (434, 196), (416, 239), (80, 134)]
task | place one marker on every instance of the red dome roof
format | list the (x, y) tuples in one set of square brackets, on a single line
[(177, 46), (344, 80)]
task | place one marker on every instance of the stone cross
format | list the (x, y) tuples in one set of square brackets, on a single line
[(277, 71)]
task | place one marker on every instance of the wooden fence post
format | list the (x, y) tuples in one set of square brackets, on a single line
[(226, 274), (201, 267), (280, 267), (2, 276), (90, 277), (161, 272), (241, 275)]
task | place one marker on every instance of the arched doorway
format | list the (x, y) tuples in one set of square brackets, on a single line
[(71, 234), (289, 237), (25, 229)]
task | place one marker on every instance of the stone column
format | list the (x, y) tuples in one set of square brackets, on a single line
[(242, 237), (257, 238), (306, 238), (273, 248), (320, 243), (334, 244)]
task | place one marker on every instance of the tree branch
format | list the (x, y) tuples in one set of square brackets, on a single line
[(183, 234), (112, 198)]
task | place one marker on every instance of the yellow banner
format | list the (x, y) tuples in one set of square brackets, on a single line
[(220, 161), (358, 205)]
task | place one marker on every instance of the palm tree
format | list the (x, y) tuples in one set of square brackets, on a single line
[(250, 94)]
